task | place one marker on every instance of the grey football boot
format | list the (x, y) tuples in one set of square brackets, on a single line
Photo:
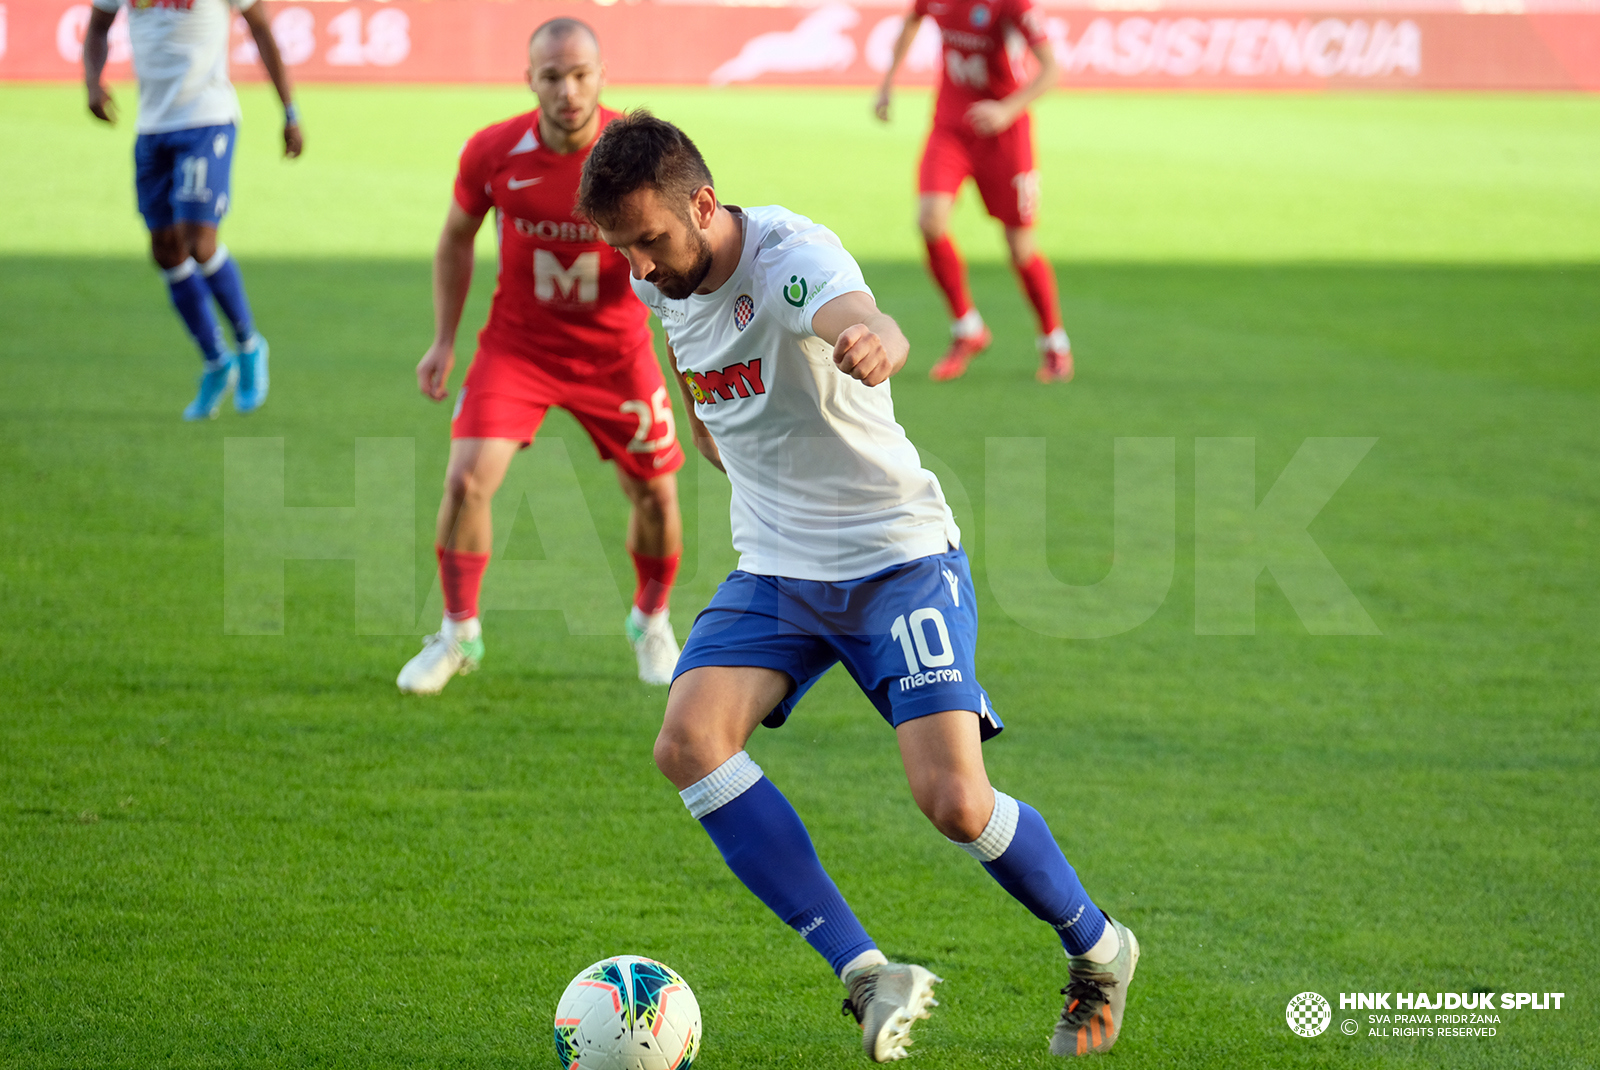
[(886, 1000), (1096, 996)]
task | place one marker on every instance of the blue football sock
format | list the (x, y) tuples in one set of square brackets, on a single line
[(192, 298), (227, 286), (764, 843), (1017, 849)]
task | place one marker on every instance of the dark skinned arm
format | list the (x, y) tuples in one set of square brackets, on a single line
[(255, 17), (95, 48)]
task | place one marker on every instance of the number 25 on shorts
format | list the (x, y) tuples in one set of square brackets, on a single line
[(656, 414)]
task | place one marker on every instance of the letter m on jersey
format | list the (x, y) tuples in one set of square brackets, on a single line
[(580, 282), (745, 379), (971, 71)]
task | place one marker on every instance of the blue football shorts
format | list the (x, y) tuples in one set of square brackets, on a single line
[(907, 635), (183, 175)]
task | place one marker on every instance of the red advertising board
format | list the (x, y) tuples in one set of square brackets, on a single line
[(1426, 45)]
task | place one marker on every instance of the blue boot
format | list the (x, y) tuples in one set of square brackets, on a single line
[(215, 383), (251, 393)]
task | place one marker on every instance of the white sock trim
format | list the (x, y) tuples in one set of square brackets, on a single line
[(218, 258), (1056, 341), (182, 271), (968, 326), (721, 786), (1105, 949), (997, 834), (870, 957), (467, 628), (643, 620)]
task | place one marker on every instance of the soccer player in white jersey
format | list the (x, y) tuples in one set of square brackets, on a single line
[(848, 553), (183, 156)]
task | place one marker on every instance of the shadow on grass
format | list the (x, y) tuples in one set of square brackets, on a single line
[(306, 868)]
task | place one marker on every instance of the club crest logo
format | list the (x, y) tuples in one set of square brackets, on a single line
[(795, 293), (980, 15), (1308, 1014), (744, 310), (219, 145)]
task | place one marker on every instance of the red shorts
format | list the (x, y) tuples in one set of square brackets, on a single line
[(627, 411), (1002, 166)]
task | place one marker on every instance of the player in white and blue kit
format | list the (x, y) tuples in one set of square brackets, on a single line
[(848, 553), (183, 156)]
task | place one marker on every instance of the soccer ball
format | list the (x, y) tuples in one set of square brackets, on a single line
[(627, 1013)]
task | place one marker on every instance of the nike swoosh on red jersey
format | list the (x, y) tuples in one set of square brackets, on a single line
[(512, 183)]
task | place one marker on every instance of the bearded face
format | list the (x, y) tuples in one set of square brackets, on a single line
[(681, 271), (663, 242)]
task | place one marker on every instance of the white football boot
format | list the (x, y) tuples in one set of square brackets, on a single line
[(887, 999), (654, 644), (1097, 994), (444, 655)]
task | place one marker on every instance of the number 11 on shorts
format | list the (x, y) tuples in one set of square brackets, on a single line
[(912, 633)]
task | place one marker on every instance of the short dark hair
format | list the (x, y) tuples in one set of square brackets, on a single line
[(562, 26), (634, 151)]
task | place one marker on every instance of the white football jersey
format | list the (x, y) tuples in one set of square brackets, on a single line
[(826, 486), (180, 55)]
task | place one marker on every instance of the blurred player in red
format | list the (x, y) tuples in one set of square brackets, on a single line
[(981, 128), (564, 329)]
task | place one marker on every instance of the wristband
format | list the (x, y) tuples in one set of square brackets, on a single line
[(291, 115)]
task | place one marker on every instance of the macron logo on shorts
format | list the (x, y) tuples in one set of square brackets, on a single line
[(930, 676)]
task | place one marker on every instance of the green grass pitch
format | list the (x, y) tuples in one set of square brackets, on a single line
[(250, 851)]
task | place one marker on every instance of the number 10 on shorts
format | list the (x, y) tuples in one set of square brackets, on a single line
[(912, 633)]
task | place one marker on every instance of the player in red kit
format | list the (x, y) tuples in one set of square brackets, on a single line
[(564, 329), (981, 129)]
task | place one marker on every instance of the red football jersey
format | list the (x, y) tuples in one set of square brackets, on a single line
[(977, 64), (562, 297)]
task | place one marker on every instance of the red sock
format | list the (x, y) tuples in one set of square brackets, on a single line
[(655, 581), (460, 576), (944, 263), (1039, 283)]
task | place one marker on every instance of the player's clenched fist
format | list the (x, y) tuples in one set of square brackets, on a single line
[(861, 354), (433, 371)]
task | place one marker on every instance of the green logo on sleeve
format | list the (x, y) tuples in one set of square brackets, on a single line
[(795, 293)]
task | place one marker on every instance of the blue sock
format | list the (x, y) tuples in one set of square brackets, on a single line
[(227, 286), (1017, 849), (192, 298), (764, 843)]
